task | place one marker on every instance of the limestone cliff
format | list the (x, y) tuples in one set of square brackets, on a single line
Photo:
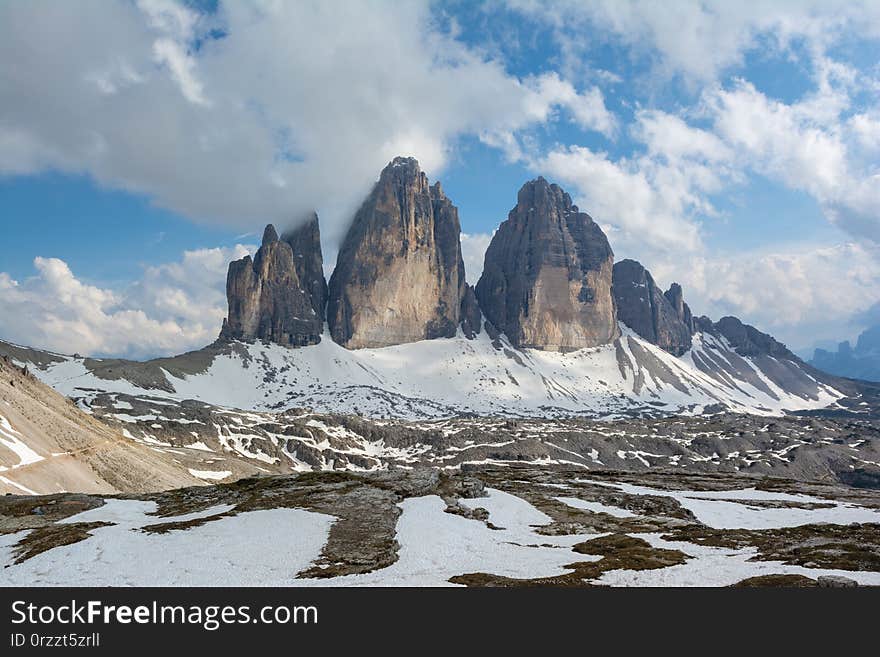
[(267, 298), (661, 318), (399, 276), (546, 282)]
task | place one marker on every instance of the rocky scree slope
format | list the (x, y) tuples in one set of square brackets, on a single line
[(48, 445)]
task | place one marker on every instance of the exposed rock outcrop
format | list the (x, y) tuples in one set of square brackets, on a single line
[(305, 241), (268, 300), (546, 282), (749, 341), (662, 319), (675, 297), (400, 275)]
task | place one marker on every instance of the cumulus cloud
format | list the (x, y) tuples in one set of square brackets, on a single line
[(700, 40), (655, 205), (261, 110), (806, 146), (642, 203), (173, 307), (806, 292)]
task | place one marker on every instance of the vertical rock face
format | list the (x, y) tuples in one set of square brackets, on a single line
[(400, 275), (662, 319), (268, 300), (305, 242), (676, 298), (546, 282)]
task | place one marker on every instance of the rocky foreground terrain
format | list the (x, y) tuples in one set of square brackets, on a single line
[(517, 525)]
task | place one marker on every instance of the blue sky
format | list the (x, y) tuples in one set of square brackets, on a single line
[(735, 150)]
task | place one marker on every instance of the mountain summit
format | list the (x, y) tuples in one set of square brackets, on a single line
[(660, 318), (546, 282), (399, 276)]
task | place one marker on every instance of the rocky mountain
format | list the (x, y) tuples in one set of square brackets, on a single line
[(399, 276), (539, 336), (486, 375), (749, 341), (726, 350), (546, 282), (274, 410), (278, 296), (859, 362), (660, 318)]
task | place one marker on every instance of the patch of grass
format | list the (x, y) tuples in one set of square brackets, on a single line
[(783, 581), (43, 539), (20, 512), (618, 552), (838, 547)]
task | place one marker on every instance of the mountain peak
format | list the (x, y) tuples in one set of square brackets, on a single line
[(399, 276), (270, 235), (539, 192), (660, 318), (546, 282), (276, 296)]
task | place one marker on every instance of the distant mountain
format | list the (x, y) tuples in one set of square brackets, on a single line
[(861, 362)]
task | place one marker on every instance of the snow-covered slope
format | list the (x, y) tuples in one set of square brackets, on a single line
[(455, 376)]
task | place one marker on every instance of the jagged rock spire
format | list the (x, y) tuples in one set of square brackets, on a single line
[(305, 242), (279, 295), (269, 235), (660, 318)]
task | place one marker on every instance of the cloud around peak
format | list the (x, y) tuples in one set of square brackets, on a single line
[(258, 111)]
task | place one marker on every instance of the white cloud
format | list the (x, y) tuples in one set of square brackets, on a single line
[(806, 146), (700, 40), (798, 293), (642, 203), (866, 130), (172, 308), (654, 205), (182, 69), (670, 137), (298, 105)]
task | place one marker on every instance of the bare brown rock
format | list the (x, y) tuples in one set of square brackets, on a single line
[(399, 276), (648, 311), (547, 277), (268, 300)]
